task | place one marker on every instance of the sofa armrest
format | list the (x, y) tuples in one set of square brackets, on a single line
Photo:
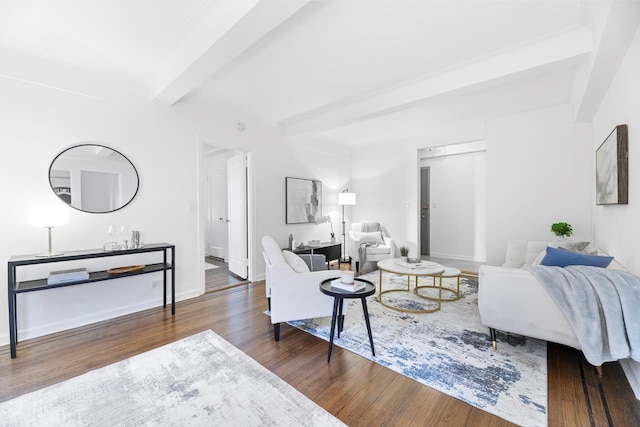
[(296, 296)]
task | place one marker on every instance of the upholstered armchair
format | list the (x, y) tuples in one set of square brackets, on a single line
[(376, 245), (292, 289)]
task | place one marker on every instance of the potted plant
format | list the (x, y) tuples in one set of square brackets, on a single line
[(404, 252), (561, 229)]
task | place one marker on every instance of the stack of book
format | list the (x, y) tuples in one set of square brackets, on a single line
[(67, 276), (351, 287)]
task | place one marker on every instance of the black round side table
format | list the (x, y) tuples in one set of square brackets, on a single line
[(339, 296)]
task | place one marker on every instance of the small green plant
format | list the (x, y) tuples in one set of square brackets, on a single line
[(404, 251), (561, 229)]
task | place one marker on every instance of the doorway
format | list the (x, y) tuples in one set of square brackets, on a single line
[(224, 225), (425, 216)]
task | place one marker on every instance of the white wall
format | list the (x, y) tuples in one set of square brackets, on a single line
[(164, 144), (615, 227), (538, 172), (458, 206)]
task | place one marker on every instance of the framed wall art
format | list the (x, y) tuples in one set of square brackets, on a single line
[(612, 168), (303, 199)]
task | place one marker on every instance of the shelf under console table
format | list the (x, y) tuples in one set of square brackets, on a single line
[(14, 287)]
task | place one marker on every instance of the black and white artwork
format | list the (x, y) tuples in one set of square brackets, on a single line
[(304, 200), (612, 168)]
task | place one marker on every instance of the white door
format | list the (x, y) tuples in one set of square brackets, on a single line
[(237, 215), (216, 195)]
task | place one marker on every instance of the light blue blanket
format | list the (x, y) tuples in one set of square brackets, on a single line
[(602, 306)]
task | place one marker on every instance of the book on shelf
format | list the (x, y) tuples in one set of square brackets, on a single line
[(66, 276), (351, 287)]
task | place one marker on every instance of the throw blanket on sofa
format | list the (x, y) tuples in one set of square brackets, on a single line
[(602, 307), (367, 227)]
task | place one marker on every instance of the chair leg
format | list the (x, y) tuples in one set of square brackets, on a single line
[(269, 302), (276, 331)]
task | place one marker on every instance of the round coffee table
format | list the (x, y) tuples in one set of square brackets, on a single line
[(339, 295), (422, 269)]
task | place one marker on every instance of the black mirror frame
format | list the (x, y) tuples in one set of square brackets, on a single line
[(94, 145)]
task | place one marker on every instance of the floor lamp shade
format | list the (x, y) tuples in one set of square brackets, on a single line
[(345, 199)]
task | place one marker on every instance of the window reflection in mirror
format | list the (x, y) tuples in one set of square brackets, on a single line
[(93, 178)]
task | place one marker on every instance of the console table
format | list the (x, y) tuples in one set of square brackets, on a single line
[(14, 287), (331, 251)]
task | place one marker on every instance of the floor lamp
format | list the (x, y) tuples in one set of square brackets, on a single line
[(345, 198)]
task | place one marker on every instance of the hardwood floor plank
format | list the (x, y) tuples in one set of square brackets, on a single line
[(356, 390)]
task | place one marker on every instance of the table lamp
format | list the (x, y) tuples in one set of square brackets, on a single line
[(345, 198), (48, 216)]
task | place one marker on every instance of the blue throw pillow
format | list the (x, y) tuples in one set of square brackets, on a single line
[(563, 258)]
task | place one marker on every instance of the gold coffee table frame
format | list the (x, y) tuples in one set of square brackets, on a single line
[(428, 269)]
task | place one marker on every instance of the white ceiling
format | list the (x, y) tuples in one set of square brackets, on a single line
[(353, 72)]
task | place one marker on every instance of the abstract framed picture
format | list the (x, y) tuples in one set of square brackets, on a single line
[(304, 200), (612, 168)]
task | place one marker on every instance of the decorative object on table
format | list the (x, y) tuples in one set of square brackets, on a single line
[(198, 380), (345, 199), (612, 168), (291, 245), (347, 277), (314, 243), (449, 351), (327, 218), (135, 239), (104, 173), (67, 276), (404, 252), (127, 269), (303, 200), (48, 215), (562, 229)]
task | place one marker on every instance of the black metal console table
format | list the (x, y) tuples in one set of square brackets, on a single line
[(14, 287)]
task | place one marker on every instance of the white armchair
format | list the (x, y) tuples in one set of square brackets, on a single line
[(384, 249), (293, 295)]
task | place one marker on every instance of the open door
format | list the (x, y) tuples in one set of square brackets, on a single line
[(237, 215)]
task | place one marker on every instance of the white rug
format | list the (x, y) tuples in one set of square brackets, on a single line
[(448, 350), (201, 380)]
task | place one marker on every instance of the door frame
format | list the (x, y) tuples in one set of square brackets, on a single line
[(201, 210)]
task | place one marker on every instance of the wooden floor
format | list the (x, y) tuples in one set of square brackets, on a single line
[(220, 278), (354, 389)]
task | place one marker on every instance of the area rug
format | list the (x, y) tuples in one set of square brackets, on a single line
[(448, 350), (201, 380)]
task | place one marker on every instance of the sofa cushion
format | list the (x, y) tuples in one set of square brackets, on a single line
[(562, 258), (522, 253), (295, 262), (378, 250)]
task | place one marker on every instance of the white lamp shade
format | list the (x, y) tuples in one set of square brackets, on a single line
[(48, 215), (346, 198)]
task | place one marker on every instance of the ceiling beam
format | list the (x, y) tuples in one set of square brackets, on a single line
[(548, 54), (225, 30), (593, 78)]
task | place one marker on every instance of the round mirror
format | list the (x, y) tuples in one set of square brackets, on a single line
[(93, 178)]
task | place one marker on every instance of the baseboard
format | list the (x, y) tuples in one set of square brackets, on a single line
[(76, 322), (632, 371), (452, 256)]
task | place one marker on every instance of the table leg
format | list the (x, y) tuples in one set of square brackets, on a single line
[(13, 327), (340, 316), (333, 326), (366, 319)]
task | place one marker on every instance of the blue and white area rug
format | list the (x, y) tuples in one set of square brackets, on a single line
[(201, 380), (448, 350)]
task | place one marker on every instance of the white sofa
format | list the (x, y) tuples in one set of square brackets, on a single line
[(511, 299), (384, 250)]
